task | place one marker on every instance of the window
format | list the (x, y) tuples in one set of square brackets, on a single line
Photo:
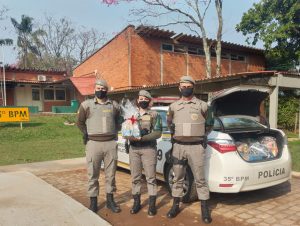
[(241, 58), (233, 57), (192, 50), (224, 55), (237, 57), (240, 123), (200, 51), (55, 93), (167, 47), (179, 49), (49, 94), (35, 94), (60, 94)]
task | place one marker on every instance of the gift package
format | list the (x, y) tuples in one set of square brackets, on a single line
[(263, 149), (130, 126)]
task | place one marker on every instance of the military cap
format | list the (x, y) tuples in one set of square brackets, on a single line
[(101, 82), (187, 78), (145, 94)]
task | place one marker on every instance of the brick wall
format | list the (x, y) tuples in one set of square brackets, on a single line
[(144, 57), (111, 62), (10, 97), (48, 104), (145, 61), (256, 63)]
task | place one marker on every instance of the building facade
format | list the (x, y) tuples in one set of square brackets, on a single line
[(42, 89), (146, 56)]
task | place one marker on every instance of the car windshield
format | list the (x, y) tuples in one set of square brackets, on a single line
[(236, 122)]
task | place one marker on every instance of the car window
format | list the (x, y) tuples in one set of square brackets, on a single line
[(217, 125), (239, 123), (163, 115)]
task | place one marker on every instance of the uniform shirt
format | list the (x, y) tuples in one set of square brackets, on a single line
[(154, 127), (187, 107), (85, 112)]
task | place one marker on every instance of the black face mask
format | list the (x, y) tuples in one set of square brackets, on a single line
[(186, 92), (144, 104), (100, 94)]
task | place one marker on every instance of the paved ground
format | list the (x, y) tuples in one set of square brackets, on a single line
[(73, 183), (27, 200), (279, 205)]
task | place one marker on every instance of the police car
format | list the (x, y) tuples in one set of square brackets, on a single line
[(242, 154)]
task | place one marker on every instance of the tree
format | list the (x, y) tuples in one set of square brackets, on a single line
[(54, 44), (25, 33), (190, 13), (4, 41), (65, 47), (277, 25), (88, 41)]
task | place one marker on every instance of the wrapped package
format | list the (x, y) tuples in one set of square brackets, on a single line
[(270, 143), (243, 149), (130, 126), (258, 151)]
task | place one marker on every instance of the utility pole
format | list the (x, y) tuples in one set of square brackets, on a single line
[(1, 85), (4, 82)]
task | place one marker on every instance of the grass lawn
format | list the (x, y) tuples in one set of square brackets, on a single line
[(43, 138), (294, 147), (47, 138), (291, 134)]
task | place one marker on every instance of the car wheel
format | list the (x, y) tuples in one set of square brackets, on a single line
[(189, 187)]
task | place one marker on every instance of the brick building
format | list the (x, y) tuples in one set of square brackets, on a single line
[(146, 56), (29, 87)]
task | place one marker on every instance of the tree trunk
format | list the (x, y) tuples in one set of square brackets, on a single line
[(207, 58), (218, 4), (206, 49)]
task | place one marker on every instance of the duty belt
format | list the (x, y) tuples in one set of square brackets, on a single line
[(188, 143), (142, 144)]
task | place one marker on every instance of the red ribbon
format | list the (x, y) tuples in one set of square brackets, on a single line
[(133, 119)]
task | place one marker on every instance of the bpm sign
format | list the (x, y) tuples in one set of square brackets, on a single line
[(14, 114)]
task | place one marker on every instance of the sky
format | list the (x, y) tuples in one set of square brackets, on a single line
[(110, 19)]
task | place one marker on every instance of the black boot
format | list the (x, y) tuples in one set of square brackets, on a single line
[(206, 218), (152, 208), (94, 204), (110, 203), (136, 204), (175, 208)]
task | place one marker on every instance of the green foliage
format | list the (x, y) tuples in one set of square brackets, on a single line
[(294, 147), (288, 106), (277, 24), (27, 47)]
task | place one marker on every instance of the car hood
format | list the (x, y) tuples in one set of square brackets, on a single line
[(239, 100)]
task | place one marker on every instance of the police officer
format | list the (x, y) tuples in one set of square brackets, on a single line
[(187, 117), (97, 120), (143, 153)]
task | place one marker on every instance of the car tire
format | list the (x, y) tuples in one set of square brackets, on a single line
[(190, 192)]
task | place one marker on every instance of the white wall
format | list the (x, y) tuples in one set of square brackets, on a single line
[(23, 97)]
